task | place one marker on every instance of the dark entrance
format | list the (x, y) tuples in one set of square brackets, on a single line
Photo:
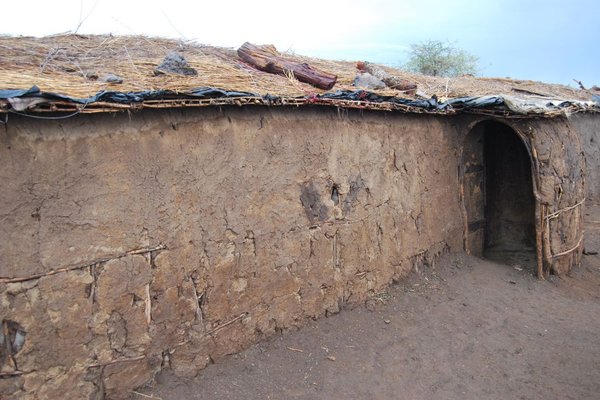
[(498, 195)]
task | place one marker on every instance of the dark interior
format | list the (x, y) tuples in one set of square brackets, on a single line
[(498, 195), (509, 201)]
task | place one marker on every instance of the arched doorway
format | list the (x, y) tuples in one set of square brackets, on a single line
[(497, 194)]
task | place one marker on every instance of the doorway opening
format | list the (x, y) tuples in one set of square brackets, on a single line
[(498, 195)]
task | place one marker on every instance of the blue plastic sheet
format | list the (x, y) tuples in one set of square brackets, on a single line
[(7, 94)]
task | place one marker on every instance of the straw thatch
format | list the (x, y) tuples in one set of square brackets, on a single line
[(74, 65)]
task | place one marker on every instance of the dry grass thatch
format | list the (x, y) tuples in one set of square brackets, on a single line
[(74, 65)]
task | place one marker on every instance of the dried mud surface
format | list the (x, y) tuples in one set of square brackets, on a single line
[(174, 238), (468, 329)]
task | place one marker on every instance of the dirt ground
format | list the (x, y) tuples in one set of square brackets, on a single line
[(468, 329)]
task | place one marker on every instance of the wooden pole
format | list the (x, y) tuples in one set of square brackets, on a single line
[(266, 58), (546, 237), (539, 220)]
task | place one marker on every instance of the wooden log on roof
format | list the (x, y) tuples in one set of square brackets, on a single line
[(266, 58)]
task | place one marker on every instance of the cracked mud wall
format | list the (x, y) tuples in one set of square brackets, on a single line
[(588, 126), (560, 185), (167, 239)]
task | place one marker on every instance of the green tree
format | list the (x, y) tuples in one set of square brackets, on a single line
[(437, 58)]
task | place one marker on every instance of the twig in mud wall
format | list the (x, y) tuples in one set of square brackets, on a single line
[(119, 360), (572, 249), (82, 266), (557, 213), (13, 374), (218, 328), (146, 395), (197, 300), (148, 309)]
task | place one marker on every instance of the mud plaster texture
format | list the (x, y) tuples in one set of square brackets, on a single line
[(559, 178), (588, 126), (170, 239)]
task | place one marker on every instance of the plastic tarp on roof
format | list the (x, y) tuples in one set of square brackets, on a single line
[(539, 105), (21, 100), (114, 97)]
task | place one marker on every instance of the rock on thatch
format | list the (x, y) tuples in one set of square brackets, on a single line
[(391, 81), (368, 81), (112, 78), (174, 63)]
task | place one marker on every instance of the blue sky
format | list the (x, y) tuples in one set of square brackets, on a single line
[(553, 41)]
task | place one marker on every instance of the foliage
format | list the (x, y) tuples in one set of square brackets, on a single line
[(437, 58)]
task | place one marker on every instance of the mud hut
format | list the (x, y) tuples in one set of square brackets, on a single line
[(157, 219)]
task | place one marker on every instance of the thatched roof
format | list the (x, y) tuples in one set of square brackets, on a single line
[(74, 66)]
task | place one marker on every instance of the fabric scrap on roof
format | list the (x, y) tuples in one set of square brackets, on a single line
[(29, 99)]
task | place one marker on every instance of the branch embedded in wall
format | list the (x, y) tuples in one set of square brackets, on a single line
[(119, 360), (14, 374), (340, 222), (218, 328), (148, 308), (197, 300), (94, 286), (86, 265)]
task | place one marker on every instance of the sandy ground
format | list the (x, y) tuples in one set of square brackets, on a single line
[(468, 329)]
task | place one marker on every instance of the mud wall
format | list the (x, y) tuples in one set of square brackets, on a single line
[(167, 239), (560, 186), (588, 126)]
